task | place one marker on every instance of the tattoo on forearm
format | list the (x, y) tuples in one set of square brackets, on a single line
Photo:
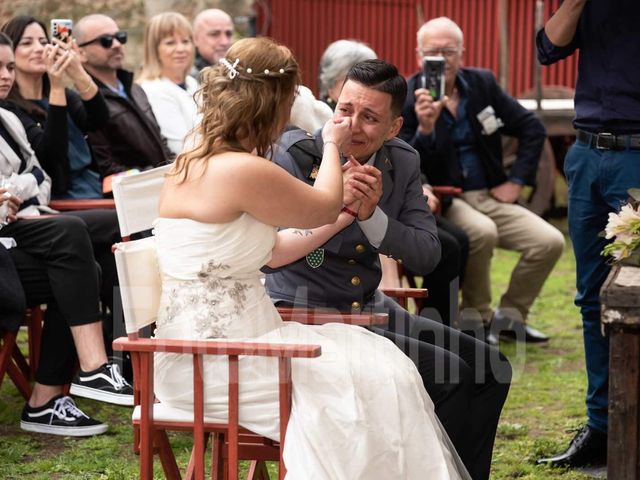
[(302, 233)]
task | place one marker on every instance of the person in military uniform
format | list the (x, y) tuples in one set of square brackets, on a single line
[(468, 380)]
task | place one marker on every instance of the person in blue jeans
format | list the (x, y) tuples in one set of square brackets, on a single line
[(600, 167)]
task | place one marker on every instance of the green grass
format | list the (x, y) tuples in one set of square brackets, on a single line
[(545, 404)]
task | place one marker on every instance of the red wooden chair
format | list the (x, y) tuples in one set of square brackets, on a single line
[(140, 290), (136, 199), (13, 362)]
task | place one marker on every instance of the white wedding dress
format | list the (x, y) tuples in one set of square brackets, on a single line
[(359, 410)]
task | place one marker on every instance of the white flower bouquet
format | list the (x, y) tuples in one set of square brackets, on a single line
[(624, 228)]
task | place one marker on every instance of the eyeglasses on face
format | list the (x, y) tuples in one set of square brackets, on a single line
[(106, 40), (448, 52)]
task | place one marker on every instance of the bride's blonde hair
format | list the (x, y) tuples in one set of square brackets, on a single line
[(246, 98)]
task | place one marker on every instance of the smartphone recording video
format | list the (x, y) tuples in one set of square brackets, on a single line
[(433, 76), (61, 28)]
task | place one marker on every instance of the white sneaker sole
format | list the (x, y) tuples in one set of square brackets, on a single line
[(64, 431), (102, 396)]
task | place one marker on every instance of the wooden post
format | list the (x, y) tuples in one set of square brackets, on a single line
[(504, 44), (620, 297)]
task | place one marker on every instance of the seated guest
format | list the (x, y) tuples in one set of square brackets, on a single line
[(212, 36), (54, 259), (307, 112), (102, 224), (335, 62), (444, 280), (56, 119), (131, 138), (459, 142), (168, 56), (467, 379)]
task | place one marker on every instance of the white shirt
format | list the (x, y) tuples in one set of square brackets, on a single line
[(175, 109)]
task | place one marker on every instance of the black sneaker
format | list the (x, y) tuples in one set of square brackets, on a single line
[(105, 384), (60, 416)]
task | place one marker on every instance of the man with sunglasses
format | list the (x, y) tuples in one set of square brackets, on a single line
[(131, 138), (212, 35), (459, 141)]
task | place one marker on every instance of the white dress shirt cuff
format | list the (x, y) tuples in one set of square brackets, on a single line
[(375, 227)]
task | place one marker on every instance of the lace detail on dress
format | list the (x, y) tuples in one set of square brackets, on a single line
[(213, 301)]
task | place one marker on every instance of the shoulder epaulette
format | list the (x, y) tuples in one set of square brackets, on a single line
[(399, 143)]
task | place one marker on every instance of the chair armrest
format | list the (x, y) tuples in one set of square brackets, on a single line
[(406, 292), (82, 204), (215, 347), (446, 191), (320, 317)]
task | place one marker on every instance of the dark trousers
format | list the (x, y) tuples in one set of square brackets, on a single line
[(445, 280), (12, 299), (598, 182), (55, 263), (104, 231), (467, 380)]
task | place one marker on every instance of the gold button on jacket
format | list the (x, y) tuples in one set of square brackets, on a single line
[(355, 280), (359, 248), (355, 305)]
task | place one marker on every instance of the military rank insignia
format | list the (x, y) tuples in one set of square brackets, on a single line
[(315, 258), (314, 172)]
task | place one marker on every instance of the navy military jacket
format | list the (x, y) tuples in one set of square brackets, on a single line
[(345, 272)]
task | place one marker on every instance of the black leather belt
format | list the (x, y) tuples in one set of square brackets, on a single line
[(609, 141)]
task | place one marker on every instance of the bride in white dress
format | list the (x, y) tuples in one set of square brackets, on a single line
[(360, 410)]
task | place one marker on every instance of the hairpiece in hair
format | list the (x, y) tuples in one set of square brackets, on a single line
[(232, 72)]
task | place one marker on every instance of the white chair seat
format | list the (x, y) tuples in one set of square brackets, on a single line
[(164, 413)]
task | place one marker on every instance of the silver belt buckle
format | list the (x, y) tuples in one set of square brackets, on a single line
[(607, 136)]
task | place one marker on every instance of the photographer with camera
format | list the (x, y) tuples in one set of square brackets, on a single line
[(458, 138)]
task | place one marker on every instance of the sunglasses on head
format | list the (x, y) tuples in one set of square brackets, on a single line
[(106, 40)]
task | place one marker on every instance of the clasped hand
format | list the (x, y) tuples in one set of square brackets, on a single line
[(362, 183)]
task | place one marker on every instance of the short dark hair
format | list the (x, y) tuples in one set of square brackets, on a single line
[(5, 40), (383, 77)]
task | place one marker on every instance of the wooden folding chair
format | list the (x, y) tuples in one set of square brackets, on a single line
[(140, 289), (65, 205), (13, 362), (136, 198)]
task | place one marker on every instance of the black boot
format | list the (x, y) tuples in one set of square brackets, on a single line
[(588, 447)]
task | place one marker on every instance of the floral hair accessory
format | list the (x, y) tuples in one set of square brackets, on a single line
[(232, 72), (234, 69)]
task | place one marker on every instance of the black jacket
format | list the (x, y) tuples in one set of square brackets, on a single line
[(438, 160), (131, 138)]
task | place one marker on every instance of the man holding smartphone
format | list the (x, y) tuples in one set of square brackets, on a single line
[(131, 138), (459, 140)]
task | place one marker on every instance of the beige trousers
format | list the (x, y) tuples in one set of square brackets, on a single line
[(490, 224)]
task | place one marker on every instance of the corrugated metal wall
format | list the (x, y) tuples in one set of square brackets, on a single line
[(389, 27)]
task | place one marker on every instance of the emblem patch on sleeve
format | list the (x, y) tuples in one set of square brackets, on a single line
[(315, 258)]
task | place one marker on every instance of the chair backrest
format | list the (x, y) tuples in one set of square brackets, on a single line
[(140, 283), (136, 197)]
